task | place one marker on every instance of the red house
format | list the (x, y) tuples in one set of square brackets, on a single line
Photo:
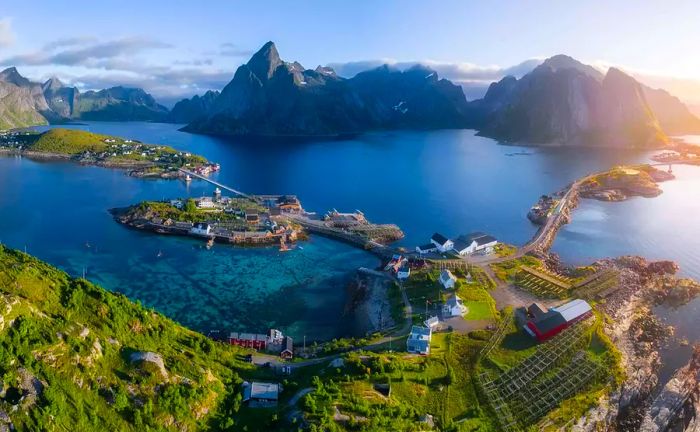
[(248, 340), (544, 325)]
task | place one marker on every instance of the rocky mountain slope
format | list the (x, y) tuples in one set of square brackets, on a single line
[(22, 102), (563, 101), (25, 103), (188, 110), (270, 97), (61, 100)]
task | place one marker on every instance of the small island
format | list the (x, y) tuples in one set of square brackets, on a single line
[(239, 221), (623, 182), (141, 160)]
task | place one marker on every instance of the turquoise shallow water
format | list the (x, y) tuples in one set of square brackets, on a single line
[(448, 181)]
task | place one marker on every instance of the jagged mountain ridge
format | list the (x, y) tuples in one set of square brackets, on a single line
[(25, 103), (270, 97), (563, 101), (188, 110)]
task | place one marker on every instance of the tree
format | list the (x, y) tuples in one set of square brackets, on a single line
[(190, 206)]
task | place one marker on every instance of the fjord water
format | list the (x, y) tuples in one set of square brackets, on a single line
[(447, 181)]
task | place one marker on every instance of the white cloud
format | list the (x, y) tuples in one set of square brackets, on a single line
[(7, 35)]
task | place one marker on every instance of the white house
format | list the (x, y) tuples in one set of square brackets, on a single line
[(463, 246), (205, 203), (201, 229), (442, 243), (447, 279), (453, 307), (474, 242), (404, 271), (177, 204), (418, 341)]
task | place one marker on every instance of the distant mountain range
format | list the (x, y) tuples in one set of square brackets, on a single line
[(560, 102), (25, 103)]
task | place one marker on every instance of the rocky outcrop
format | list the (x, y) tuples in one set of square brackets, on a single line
[(676, 401), (149, 362), (639, 335)]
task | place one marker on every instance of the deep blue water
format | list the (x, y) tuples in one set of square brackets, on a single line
[(448, 181)]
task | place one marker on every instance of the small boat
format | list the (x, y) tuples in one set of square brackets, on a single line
[(300, 248), (160, 254), (88, 245), (188, 178), (210, 243)]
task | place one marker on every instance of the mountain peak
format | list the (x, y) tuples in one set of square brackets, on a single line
[(265, 61), (53, 83), (12, 76), (562, 62)]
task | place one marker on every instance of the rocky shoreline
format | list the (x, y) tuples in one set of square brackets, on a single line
[(134, 169), (639, 335)]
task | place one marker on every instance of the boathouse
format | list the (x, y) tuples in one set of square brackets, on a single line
[(543, 325), (201, 229)]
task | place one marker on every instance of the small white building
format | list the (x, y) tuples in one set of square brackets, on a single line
[(404, 271), (442, 243), (178, 204), (431, 322), (447, 279), (453, 307), (426, 248), (205, 203), (200, 229)]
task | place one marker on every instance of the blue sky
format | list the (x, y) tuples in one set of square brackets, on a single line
[(177, 48)]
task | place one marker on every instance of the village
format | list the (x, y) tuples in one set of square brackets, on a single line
[(511, 304), (144, 160)]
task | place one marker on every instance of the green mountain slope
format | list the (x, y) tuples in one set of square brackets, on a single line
[(74, 356)]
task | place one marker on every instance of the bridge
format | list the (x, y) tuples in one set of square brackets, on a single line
[(217, 184)]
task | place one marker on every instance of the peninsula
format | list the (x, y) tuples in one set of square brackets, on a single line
[(87, 148)]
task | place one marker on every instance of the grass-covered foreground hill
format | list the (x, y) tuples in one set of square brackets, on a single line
[(75, 357)]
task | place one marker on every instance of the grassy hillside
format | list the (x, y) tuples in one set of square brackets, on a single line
[(111, 150), (69, 141), (67, 347)]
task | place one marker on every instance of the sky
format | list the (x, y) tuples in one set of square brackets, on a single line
[(176, 48)]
